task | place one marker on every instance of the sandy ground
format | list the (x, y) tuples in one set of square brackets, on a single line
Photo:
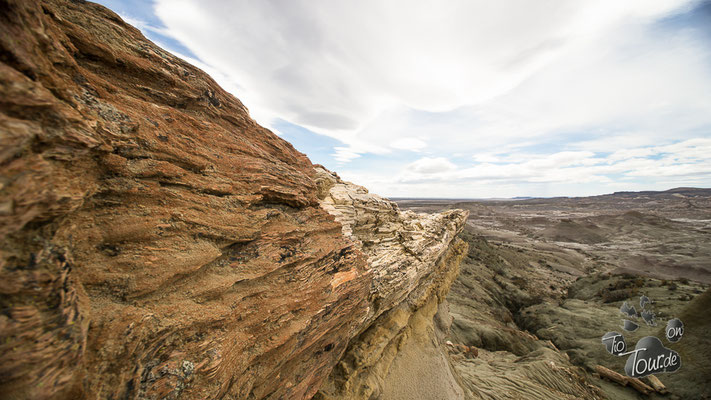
[(421, 371)]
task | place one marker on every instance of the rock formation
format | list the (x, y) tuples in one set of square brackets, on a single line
[(158, 243), (414, 259)]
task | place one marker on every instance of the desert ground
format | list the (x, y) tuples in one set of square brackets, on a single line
[(545, 278)]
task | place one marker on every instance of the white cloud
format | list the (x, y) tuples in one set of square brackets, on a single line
[(408, 143), (484, 79), (345, 154), (428, 165), (687, 160)]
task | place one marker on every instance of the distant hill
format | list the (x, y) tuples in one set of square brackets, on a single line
[(684, 191), (679, 192)]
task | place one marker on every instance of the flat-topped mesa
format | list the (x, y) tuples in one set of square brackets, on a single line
[(156, 242)]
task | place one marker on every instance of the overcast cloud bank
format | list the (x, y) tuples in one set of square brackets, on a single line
[(470, 99)]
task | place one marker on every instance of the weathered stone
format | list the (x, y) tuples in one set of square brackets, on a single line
[(414, 258), (158, 243)]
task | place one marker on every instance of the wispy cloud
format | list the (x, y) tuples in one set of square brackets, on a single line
[(689, 161)]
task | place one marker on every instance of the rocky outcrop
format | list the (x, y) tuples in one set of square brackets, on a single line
[(400, 355), (158, 243), (401, 246), (414, 258)]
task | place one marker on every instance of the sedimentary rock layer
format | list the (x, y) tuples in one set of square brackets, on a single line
[(158, 243), (414, 258)]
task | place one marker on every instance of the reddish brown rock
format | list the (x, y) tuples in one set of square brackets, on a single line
[(158, 243)]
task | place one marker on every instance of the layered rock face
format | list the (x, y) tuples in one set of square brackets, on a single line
[(414, 258), (158, 243)]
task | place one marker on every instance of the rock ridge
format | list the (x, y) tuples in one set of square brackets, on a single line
[(401, 246), (158, 243), (414, 259)]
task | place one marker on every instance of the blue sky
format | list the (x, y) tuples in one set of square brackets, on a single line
[(464, 99)]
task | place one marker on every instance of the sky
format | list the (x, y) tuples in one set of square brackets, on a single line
[(461, 98)]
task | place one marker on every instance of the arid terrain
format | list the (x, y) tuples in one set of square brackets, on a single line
[(665, 235), (158, 243), (544, 280)]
